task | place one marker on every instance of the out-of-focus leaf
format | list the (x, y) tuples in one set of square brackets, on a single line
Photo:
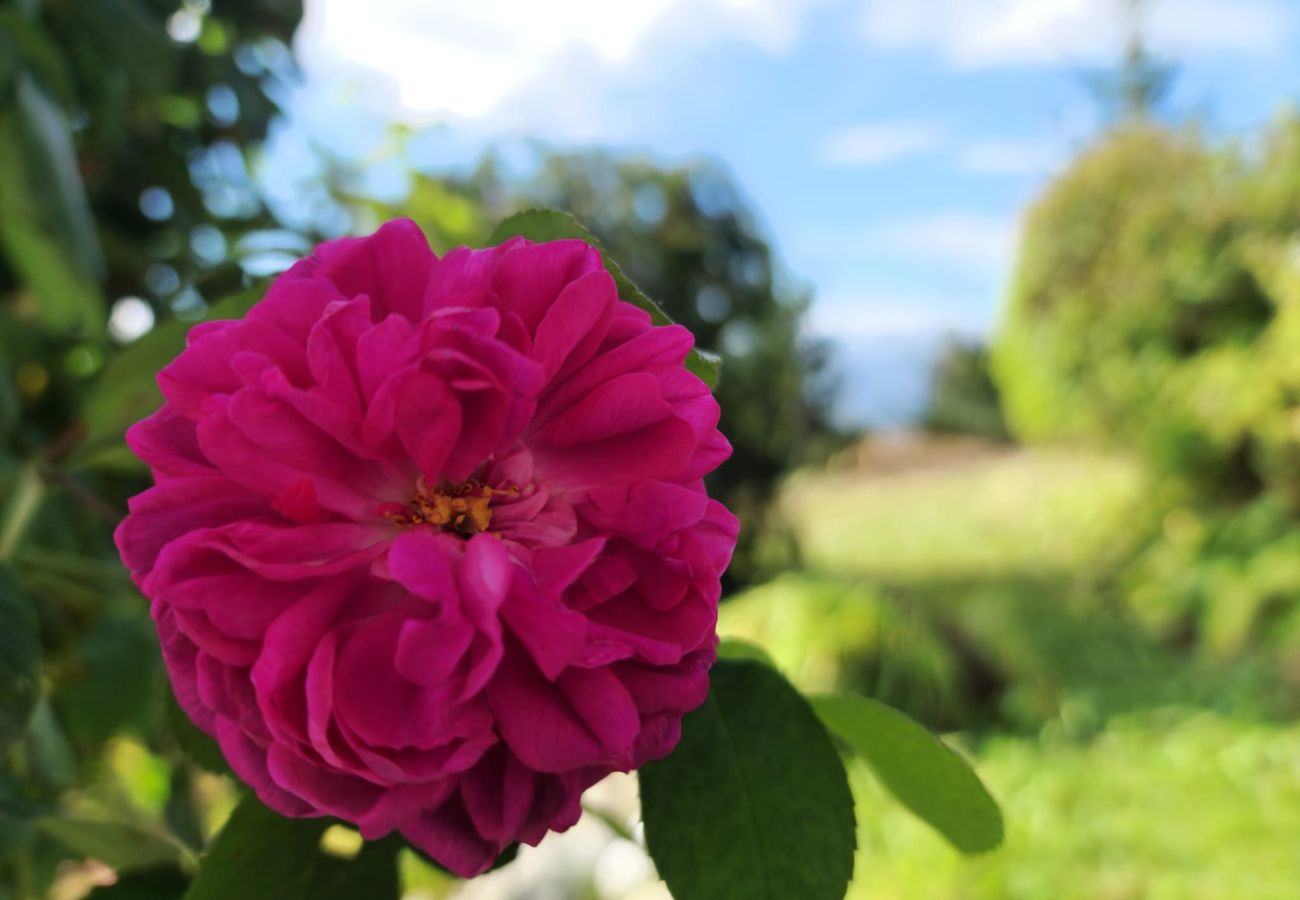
[(371, 873), (159, 883), (26, 491), (261, 855), (120, 846), (540, 225), (136, 36), (112, 679), (736, 648), (754, 803), (20, 660), (127, 390), (201, 749), (56, 179), (25, 45), (917, 768), (43, 224), (47, 750)]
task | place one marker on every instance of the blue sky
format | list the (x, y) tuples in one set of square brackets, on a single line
[(890, 147)]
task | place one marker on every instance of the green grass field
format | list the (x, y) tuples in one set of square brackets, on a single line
[(974, 595)]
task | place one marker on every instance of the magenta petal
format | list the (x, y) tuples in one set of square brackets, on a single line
[(392, 266), (574, 326), (537, 722)]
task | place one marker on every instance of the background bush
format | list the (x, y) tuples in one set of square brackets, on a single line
[(1155, 309)]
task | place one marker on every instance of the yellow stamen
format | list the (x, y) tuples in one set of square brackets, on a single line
[(464, 508)]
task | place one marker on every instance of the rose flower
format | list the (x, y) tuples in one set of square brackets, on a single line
[(429, 548)]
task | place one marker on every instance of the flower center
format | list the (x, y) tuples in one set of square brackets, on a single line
[(463, 508)]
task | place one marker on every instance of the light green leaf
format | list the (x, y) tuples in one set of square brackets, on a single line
[(540, 225), (754, 803), (261, 855), (920, 770)]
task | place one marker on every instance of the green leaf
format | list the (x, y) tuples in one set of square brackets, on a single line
[(201, 749), (120, 846), (754, 803), (160, 883), (372, 873), (52, 163), (35, 229), (738, 648), (924, 774), (20, 660), (261, 855), (127, 390), (111, 679), (540, 225)]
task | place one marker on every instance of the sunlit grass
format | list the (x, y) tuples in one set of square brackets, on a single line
[(1170, 804), (1022, 511)]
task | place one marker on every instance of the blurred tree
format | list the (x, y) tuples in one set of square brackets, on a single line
[(964, 398), (1133, 90)]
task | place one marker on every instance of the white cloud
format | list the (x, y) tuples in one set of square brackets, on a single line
[(876, 143), (971, 240), (450, 57), (971, 34), (1012, 156)]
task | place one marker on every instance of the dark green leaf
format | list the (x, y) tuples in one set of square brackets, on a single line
[(552, 225), (120, 846), (197, 746), (20, 660), (261, 855), (372, 873), (111, 681), (736, 648), (160, 883), (127, 391), (46, 748), (754, 803), (917, 768)]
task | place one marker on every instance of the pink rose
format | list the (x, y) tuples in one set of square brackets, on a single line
[(429, 547)]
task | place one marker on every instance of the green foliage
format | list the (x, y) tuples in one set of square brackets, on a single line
[(754, 802), (927, 777)]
